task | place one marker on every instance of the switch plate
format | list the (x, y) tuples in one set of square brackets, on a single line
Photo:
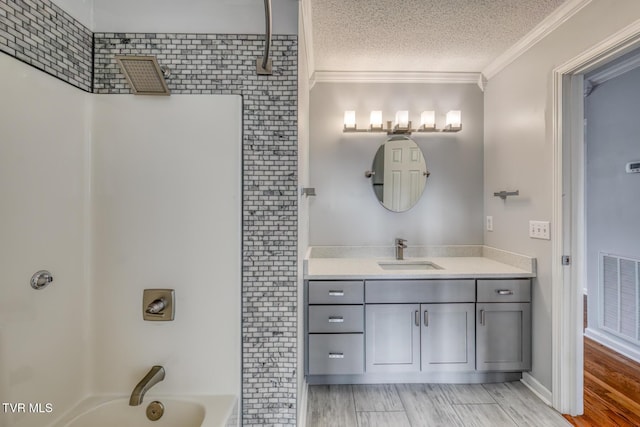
[(489, 223), (539, 230)]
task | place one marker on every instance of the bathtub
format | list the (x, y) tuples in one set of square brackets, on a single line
[(179, 411)]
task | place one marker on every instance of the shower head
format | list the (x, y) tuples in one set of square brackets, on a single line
[(144, 75)]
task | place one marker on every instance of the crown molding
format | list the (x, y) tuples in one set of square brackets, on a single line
[(394, 77), (540, 31)]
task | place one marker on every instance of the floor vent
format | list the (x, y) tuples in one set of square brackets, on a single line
[(620, 294)]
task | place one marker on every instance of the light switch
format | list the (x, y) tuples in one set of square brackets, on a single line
[(539, 230)]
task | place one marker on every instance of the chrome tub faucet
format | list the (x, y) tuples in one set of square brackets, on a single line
[(401, 245), (153, 377)]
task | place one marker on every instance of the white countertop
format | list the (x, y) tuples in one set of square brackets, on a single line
[(349, 265)]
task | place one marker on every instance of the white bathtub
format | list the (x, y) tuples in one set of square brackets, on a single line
[(188, 411)]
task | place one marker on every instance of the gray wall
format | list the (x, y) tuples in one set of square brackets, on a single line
[(346, 212), (612, 195), (518, 153)]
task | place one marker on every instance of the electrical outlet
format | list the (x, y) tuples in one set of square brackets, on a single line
[(539, 230), (489, 223)]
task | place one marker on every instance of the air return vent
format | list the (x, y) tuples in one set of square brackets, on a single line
[(620, 291), (144, 75)]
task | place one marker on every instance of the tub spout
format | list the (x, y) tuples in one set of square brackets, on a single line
[(154, 376)]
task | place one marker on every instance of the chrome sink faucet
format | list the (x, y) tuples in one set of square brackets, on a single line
[(401, 245), (153, 377)]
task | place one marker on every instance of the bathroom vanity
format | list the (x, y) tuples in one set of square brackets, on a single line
[(460, 318)]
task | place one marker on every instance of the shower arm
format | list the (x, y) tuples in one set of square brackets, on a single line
[(263, 65)]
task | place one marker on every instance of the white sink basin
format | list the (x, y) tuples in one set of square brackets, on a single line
[(408, 265)]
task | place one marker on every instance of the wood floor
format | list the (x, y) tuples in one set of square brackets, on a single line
[(421, 405), (611, 388)]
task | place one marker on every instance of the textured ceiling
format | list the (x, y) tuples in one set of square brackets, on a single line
[(419, 35)]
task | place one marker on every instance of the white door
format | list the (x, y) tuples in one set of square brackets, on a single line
[(404, 171)]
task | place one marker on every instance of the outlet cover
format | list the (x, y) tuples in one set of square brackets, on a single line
[(539, 230), (489, 223)]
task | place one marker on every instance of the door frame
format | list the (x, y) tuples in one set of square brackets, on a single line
[(568, 219)]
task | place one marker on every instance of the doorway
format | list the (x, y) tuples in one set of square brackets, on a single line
[(569, 218)]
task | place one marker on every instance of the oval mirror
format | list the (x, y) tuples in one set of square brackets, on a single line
[(399, 173)]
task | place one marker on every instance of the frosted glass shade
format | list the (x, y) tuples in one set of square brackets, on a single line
[(428, 119), (454, 118), (376, 119), (349, 119), (402, 119)]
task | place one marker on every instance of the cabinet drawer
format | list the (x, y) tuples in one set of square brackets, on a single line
[(336, 318), (336, 292), (426, 291), (510, 290), (336, 354)]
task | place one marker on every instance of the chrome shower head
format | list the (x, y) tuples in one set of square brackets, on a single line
[(144, 74)]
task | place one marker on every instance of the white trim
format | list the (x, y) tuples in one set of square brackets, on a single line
[(611, 342), (302, 404), (612, 72), (567, 359), (536, 387), (540, 31), (307, 29), (394, 77)]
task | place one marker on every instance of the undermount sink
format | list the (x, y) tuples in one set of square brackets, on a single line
[(408, 265)]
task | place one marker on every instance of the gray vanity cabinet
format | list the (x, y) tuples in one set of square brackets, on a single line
[(448, 337), (392, 337), (335, 325), (503, 329)]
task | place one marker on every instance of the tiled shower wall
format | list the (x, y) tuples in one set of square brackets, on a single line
[(43, 35), (39, 33)]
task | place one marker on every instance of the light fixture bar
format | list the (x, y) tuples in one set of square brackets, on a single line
[(402, 125)]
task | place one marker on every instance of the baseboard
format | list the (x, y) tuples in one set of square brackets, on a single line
[(302, 404), (614, 344), (537, 388)]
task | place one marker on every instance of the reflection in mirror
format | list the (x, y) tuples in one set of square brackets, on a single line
[(399, 173)]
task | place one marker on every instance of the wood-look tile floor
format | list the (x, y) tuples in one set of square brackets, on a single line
[(426, 405)]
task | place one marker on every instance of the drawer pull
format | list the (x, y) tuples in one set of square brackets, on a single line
[(336, 293), (336, 319), (482, 317), (426, 318), (336, 355), (504, 291), (417, 317)]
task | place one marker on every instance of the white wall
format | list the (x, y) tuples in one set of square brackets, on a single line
[(166, 193), (44, 148), (518, 149), (346, 211), (612, 195), (194, 16)]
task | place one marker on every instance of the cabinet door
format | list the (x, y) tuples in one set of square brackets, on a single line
[(392, 337), (448, 337), (503, 335)]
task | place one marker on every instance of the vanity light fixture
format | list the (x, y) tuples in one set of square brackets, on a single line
[(402, 124)]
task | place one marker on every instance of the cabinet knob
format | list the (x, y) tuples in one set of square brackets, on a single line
[(336, 319), (336, 293), (504, 291), (336, 355)]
